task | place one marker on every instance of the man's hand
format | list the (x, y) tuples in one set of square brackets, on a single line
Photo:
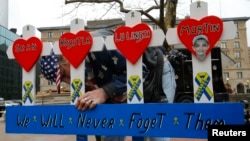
[(91, 98)]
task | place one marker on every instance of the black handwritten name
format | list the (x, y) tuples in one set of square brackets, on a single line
[(88, 122), (138, 36), (24, 121), (79, 41), (55, 121), (195, 121), (146, 123), (200, 29), (25, 48)]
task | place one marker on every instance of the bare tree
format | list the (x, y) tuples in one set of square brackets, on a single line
[(164, 22)]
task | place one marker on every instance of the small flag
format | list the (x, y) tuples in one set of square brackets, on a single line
[(48, 65), (58, 79)]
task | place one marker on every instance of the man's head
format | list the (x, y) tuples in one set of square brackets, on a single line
[(64, 66)]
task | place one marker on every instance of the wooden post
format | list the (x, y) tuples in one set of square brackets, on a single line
[(29, 77), (131, 19), (79, 72)]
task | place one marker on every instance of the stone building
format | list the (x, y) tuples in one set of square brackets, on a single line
[(238, 75)]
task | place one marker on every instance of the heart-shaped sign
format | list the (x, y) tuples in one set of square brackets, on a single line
[(209, 28), (132, 42), (75, 47), (27, 52)]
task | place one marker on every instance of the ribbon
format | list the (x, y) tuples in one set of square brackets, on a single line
[(27, 86), (76, 85), (176, 121), (134, 82), (202, 79)]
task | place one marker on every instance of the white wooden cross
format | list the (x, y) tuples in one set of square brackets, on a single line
[(30, 31), (79, 72), (198, 10), (131, 19)]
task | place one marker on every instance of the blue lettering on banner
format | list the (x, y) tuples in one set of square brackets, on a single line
[(164, 120)]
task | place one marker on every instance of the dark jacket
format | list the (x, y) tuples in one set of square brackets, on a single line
[(109, 69)]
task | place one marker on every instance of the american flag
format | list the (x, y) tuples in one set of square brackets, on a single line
[(58, 79), (48, 66)]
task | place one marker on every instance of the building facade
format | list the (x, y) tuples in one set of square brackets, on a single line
[(10, 70), (237, 75)]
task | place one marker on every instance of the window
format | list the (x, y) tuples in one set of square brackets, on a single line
[(239, 74), (226, 75), (154, 26), (50, 34), (226, 53), (62, 32), (50, 82), (238, 64), (237, 54), (223, 45), (237, 35), (236, 44), (236, 24)]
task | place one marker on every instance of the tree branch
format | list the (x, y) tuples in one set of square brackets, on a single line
[(89, 1), (162, 22), (171, 13)]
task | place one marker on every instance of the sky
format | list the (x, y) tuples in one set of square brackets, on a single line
[(45, 13)]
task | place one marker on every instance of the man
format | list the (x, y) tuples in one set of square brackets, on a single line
[(105, 73), (107, 69)]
